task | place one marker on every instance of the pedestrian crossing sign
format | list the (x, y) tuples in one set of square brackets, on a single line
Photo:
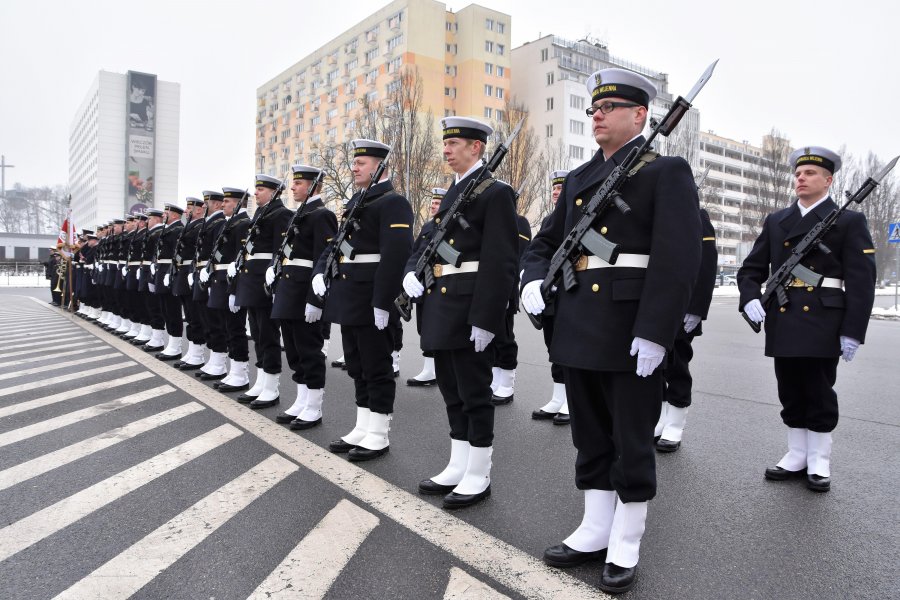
[(894, 233)]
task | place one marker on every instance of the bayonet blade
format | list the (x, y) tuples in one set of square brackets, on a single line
[(702, 179), (887, 169), (707, 74), (514, 133)]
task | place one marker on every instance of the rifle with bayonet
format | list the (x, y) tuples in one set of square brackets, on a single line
[(437, 246), (583, 237), (215, 256), (339, 245), (292, 231), (776, 285), (179, 246), (247, 248)]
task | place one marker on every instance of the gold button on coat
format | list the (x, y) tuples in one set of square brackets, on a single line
[(809, 289), (805, 309), (595, 287), (603, 229), (578, 202), (786, 244), (443, 290), (782, 309)]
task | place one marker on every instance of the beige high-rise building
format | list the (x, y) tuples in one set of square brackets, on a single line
[(462, 58)]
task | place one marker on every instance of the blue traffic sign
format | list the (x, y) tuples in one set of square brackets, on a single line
[(894, 233)]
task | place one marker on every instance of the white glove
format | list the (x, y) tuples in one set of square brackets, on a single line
[(204, 276), (232, 270), (100, 268), (754, 311), (649, 355), (412, 286), (138, 274), (318, 285), (381, 318), (153, 269), (849, 346), (151, 287), (232, 306), (124, 271), (691, 322), (190, 280), (532, 301), (312, 313), (166, 280), (270, 276), (481, 338)]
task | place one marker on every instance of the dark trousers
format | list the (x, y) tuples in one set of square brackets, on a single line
[(303, 348), (236, 335), (132, 302), (157, 318), (556, 371), (507, 350), (213, 328), (254, 335), (398, 335), (426, 353), (194, 324), (805, 388), (367, 352), (613, 418), (266, 343), (171, 310), (677, 374), (464, 378)]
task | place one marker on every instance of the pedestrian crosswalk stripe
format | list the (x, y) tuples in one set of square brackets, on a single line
[(22, 387), (30, 530), (63, 365), (32, 351), (311, 568), (42, 464), (14, 363), (71, 394), (463, 586), (27, 331), (29, 431), (46, 341), (135, 567)]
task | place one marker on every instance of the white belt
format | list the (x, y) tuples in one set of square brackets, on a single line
[(260, 256), (134, 263), (831, 282), (221, 267), (202, 263), (638, 261), (297, 262), (120, 262), (164, 261), (362, 258), (466, 267), (88, 266)]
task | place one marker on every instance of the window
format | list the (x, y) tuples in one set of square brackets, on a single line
[(392, 87), (348, 105), (332, 113), (489, 46), (451, 48), (351, 65), (488, 69), (499, 114), (394, 65), (500, 93), (501, 27), (576, 127), (549, 103), (450, 70), (370, 55), (576, 101), (489, 24), (394, 22), (545, 54), (500, 71), (351, 125), (549, 131), (449, 26), (332, 75), (488, 90), (314, 121), (351, 87), (372, 96), (550, 78), (394, 42), (298, 128), (332, 133), (487, 112), (576, 152), (501, 49), (371, 76)]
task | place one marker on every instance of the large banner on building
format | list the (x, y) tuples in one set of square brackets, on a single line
[(140, 140)]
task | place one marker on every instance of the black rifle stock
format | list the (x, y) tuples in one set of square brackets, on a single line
[(247, 248), (437, 246), (583, 236), (778, 282), (179, 246), (289, 234), (215, 256)]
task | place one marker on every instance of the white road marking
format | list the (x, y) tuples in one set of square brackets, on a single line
[(141, 563), (42, 464), (463, 586), (27, 331), (29, 431), (75, 393), (46, 341), (311, 568), (23, 361), (16, 389), (24, 352), (56, 367), (28, 531)]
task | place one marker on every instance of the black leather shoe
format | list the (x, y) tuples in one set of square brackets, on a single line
[(284, 418), (208, 377), (563, 557), (146, 348), (138, 342), (616, 579), (667, 445), (817, 483), (500, 400), (779, 474), (430, 488), (542, 415), (339, 364), (188, 366), (257, 404), (299, 424), (339, 446), (453, 500), (226, 388), (396, 374), (420, 382), (561, 419), (162, 356), (360, 454)]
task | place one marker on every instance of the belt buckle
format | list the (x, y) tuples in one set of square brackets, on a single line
[(438, 270), (797, 282), (341, 258), (582, 263)]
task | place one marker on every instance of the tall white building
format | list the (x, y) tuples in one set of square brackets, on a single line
[(123, 146), (549, 81)]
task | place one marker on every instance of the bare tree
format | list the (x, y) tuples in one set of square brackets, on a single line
[(553, 157), (774, 179), (38, 210), (881, 207)]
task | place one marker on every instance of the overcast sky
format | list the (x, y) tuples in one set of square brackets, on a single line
[(824, 73)]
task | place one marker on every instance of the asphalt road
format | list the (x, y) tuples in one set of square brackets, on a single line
[(212, 500)]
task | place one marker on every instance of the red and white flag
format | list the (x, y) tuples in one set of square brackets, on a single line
[(67, 231)]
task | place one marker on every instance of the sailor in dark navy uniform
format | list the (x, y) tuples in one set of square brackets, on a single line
[(677, 397), (146, 285), (160, 271), (465, 309), (295, 305), (182, 281), (216, 366), (557, 409), (611, 332), (271, 221), (230, 234), (361, 299), (426, 376), (819, 325), (132, 317)]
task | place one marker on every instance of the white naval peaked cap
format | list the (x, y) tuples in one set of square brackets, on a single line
[(558, 177), (465, 127), (366, 147), (305, 172), (438, 192), (267, 181), (816, 155), (620, 83)]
